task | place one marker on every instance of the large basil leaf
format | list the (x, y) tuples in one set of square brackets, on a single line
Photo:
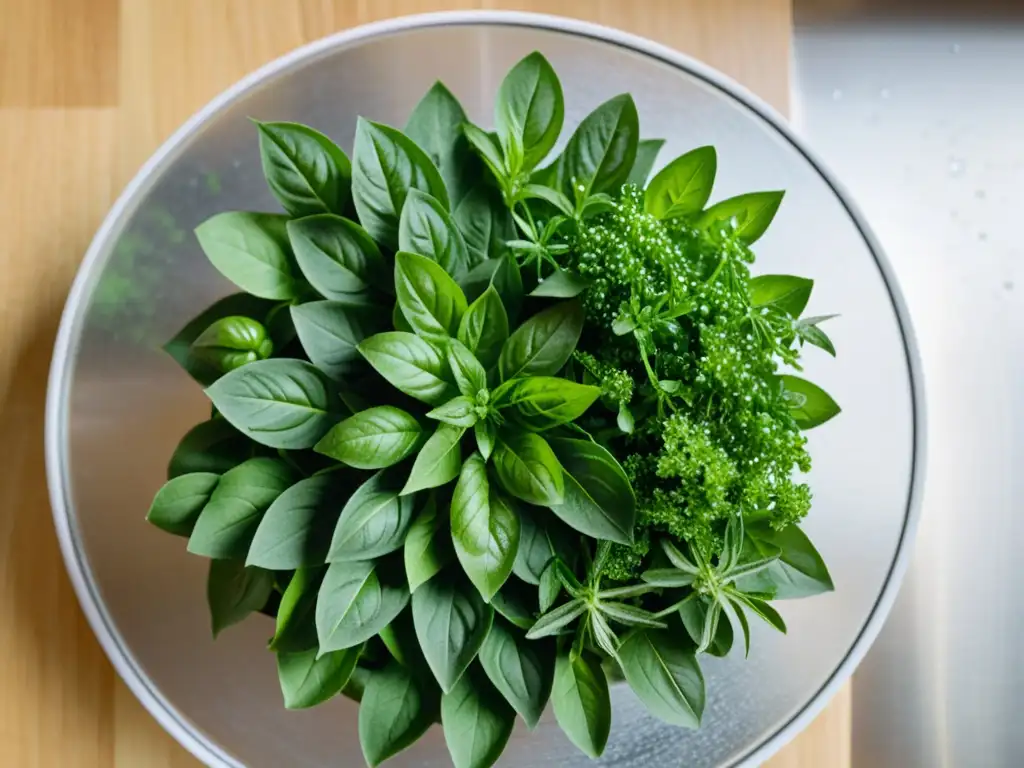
[(372, 439), (599, 500), (541, 539), (581, 702), (451, 621), (665, 676), (786, 293), (516, 603), (307, 172), (477, 721), (521, 670), (527, 468), (485, 222), (233, 591), (251, 250), (543, 402), (281, 403), (427, 545), (330, 333), (646, 155), (232, 342), (396, 709), (337, 256), (177, 505), (295, 628), (436, 126), (438, 461), (601, 152), (295, 531), (356, 601), (799, 570), (543, 344), (386, 165), (410, 364), (485, 529), (430, 299), (308, 679), (528, 111), (683, 186), (229, 520), (751, 214), (374, 520), (484, 327), (560, 284), (809, 405), (426, 228)]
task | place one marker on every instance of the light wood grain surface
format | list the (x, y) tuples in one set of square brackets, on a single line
[(88, 90)]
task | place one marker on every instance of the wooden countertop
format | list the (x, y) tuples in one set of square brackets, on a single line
[(88, 89)]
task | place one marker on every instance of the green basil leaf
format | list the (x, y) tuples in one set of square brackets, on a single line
[(741, 617), (786, 293), (229, 520), (646, 155), (560, 285), (529, 110), (373, 439), (233, 591), (557, 199), (308, 679), (451, 621), (232, 342), (487, 148), (762, 609), (543, 344), (522, 671), (798, 572), (485, 529), (280, 403), (295, 531), (556, 620), (668, 578), (251, 250), (527, 468), (356, 601), (374, 520), (664, 675), (601, 152), (484, 327), (549, 589), (752, 214), (399, 637), (307, 172), (541, 540), (599, 500), (427, 545), (330, 333), (386, 165), (502, 273), (459, 411), (581, 702), (695, 618), (516, 603), (485, 223), (438, 461), (295, 628), (477, 721), (469, 374), (436, 126), (543, 402), (397, 708), (337, 256), (808, 330), (410, 364), (425, 228), (683, 186), (177, 505), (630, 615), (809, 405), (431, 301), (486, 434)]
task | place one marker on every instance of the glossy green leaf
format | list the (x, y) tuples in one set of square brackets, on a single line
[(646, 156), (438, 461), (521, 670), (426, 228), (751, 214), (516, 602), (808, 331), (503, 274), (543, 344), (485, 222), (599, 500), (233, 591), (410, 364), (396, 709), (177, 504), (542, 538), (460, 411), (786, 293), (356, 601), (477, 721), (307, 680), (486, 434), (330, 333), (374, 520), (683, 186), (527, 468), (295, 531), (529, 110), (798, 572), (307, 172), (373, 439), (669, 578), (554, 621), (427, 545), (705, 626), (762, 609), (435, 124), (809, 405), (560, 285), (232, 342), (470, 376), (295, 626), (665, 676), (484, 327), (601, 152), (544, 402), (430, 299), (337, 256), (581, 702), (251, 250), (486, 147)]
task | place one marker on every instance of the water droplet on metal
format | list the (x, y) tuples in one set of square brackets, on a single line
[(837, 95)]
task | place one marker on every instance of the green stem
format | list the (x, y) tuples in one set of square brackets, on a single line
[(718, 269)]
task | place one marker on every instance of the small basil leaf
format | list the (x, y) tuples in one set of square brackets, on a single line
[(386, 165), (515, 602), (486, 147), (233, 591), (431, 301), (527, 468), (599, 500), (521, 670), (541, 540), (337, 256), (601, 152), (451, 621), (427, 545), (486, 434), (372, 439), (543, 344), (812, 334), (484, 327), (425, 228), (555, 620), (741, 617), (557, 199), (374, 520), (543, 402), (529, 110), (683, 186), (698, 618), (330, 333), (229, 520), (280, 403), (308, 679), (477, 722), (809, 405), (798, 572), (762, 609), (786, 293), (307, 172), (550, 587), (410, 364), (668, 577), (485, 223), (436, 126), (251, 250), (295, 531), (581, 702), (177, 505), (396, 709), (485, 529), (438, 461), (508, 282), (356, 602), (752, 214), (459, 411), (469, 374), (646, 155), (560, 285), (295, 628), (232, 342), (664, 675), (631, 616)]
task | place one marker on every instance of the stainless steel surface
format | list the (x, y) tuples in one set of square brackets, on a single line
[(924, 121), (117, 405)]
